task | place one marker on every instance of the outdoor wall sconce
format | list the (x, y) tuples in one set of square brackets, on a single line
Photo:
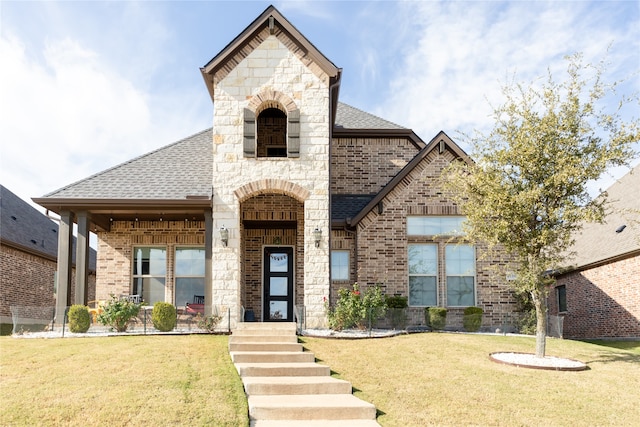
[(317, 236), (224, 235)]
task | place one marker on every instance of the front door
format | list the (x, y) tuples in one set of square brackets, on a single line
[(278, 284)]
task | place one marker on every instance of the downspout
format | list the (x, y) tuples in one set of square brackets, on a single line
[(332, 87)]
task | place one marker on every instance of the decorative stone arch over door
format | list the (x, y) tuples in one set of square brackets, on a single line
[(271, 100), (272, 186)]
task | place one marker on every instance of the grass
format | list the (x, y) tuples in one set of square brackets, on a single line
[(118, 381), (448, 380), (423, 379)]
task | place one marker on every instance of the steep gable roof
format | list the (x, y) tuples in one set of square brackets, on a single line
[(440, 141), (270, 22), (600, 243), (25, 228), (348, 117)]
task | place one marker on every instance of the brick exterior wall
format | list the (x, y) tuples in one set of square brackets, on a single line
[(381, 247), (28, 280), (115, 252), (602, 302), (365, 165), (268, 208)]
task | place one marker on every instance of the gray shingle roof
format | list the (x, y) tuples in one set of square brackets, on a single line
[(175, 171), (349, 117), (345, 206), (181, 169), (600, 242), (23, 226)]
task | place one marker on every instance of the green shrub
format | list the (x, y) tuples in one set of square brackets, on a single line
[(436, 317), (163, 316), (79, 319), (397, 311), (118, 312), (472, 319), (354, 309), (208, 323)]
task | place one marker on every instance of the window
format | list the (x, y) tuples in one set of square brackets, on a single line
[(339, 265), (189, 274), (561, 293), (434, 225), (423, 275), (461, 272), (149, 273), (272, 133)]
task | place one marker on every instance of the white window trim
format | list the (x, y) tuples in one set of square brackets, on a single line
[(475, 277), (437, 276)]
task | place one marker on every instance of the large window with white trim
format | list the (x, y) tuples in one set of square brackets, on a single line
[(423, 275), (149, 273), (460, 264), (189, 274)]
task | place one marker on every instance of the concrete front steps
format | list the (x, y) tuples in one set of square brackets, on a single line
[(285, 386)]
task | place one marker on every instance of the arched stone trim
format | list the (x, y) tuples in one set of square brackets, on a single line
[(271, 186), (270, 98)]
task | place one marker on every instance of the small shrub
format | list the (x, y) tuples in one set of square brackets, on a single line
[(397, 311), (208, 323), (79, 319), (117, 313), (163, 316), (472, 319), (436, 317), (354, 309)]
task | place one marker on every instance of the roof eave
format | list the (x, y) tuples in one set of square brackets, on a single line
[(341, 132)]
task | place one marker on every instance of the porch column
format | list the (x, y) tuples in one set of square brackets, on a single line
[(208, 270), (65, 243), (82, 259)]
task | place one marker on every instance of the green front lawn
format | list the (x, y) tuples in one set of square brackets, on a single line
[(414, 380)]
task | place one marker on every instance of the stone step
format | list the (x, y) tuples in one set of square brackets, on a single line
[(287, 326), (262, 338), (271, 357), (259, 331), (282, 369), (310, 407), (314, 423), (295, 385), (265, 346)]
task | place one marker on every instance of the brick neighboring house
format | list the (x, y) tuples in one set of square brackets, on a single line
[(291, 196), (599, 296), (28, 255)]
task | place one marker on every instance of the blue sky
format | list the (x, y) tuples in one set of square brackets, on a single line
[(87, 85)]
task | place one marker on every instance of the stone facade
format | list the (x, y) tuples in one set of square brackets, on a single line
[(273, 74), (601, 302)]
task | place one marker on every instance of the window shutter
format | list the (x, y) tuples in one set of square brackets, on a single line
[(249, 146), (293, 133)]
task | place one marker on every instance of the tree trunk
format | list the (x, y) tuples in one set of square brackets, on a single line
[(540, 302)]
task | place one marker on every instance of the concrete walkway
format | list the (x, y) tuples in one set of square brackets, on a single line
[(285, 386)]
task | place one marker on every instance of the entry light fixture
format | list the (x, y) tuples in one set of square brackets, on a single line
[(224, 235), (317, 236)]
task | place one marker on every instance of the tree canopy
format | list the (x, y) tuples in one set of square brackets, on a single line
[(528, 190)]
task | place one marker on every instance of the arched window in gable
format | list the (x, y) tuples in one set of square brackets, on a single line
[(273, 133)]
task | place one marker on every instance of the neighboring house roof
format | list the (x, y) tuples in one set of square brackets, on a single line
[(598, 244), (25, 228)]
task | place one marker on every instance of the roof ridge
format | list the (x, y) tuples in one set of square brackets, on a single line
[(119, 165)]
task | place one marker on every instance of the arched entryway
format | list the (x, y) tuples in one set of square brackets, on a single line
[(272, 263)]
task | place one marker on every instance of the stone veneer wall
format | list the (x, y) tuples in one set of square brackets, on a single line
[(602, 302), (382, 247), (115, 252), (271, 72), (365, 165), (27, 280)]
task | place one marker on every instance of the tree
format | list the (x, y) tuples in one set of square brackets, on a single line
[(527, 192)]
